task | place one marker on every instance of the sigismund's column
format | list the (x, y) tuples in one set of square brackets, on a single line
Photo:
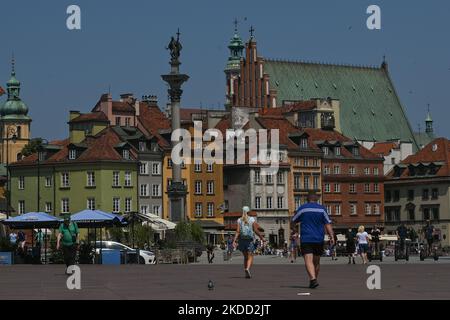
[(177, 190)]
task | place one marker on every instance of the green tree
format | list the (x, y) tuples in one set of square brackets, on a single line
[(116, 234), (31, 147), (189, 231)]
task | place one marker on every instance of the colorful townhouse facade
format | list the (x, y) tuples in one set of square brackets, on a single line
[(418, 190), (97, 171)]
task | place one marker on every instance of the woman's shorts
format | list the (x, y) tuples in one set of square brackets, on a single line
[(246, 245), (363, 248)]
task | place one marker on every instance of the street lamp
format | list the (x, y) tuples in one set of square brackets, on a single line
[(11, 134)]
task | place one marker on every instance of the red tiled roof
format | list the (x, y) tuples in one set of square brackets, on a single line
[(93, 116), (384, 148), (436, 151), (299, 106), (186, 113), (153, 120), (124, 107), (99, 148), (331, 135)]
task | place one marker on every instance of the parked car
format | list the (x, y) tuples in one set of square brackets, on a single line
[(145, 256)]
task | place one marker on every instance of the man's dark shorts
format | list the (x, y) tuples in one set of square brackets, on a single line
[(312, 248)]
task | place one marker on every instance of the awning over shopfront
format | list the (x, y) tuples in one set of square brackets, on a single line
[(157, 223), (211, 226)]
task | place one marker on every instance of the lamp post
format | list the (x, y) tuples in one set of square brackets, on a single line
[(11, 134), (40, 153)]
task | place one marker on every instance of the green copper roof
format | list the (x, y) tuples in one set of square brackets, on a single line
[(236, 47), (14, 108), (424, 138), (369, 106), (428, 119)]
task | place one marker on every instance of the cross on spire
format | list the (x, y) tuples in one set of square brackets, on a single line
[(428, 107), (178, 34), (13, 65), (235, 22), (251, 31)]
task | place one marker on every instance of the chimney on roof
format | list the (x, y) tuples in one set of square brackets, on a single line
[(106, 105), (151, 100), (127, 97)]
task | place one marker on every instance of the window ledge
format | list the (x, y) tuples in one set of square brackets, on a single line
[(64, 188), (116, 187), (90, 187)]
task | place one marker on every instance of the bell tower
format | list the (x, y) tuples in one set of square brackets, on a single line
[(233, 67), (14, 121)]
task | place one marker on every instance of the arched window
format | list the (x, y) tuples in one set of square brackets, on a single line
[(19, 156), (19, 132)]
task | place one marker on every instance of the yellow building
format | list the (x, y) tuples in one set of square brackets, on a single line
[(205, 197)]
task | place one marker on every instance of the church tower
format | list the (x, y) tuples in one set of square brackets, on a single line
[(233, 67), (14, 121)]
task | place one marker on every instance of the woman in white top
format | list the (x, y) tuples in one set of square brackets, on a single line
[(244, 239), (363, 243)]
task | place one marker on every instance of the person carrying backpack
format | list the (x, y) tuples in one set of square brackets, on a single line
[(244, 239), (68, 233)]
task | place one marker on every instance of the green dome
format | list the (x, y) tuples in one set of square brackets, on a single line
[(13, 108)]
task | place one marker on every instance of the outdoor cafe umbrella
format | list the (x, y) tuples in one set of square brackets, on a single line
[(33, 220), (96, 219)]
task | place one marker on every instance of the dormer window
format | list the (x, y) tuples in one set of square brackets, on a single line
[(325, 150), (126, 154), (72, 154), (41, 155), (355, 151), (141, 145), (337, 151), (303, 143)]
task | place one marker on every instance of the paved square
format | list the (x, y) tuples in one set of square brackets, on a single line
[(273, 278)]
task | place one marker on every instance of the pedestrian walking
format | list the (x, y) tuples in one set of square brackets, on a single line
[(314, 220), (247, 227), (363, 243), (333, 248), (230, 248), (293, 247), (210, 252), (68, 235), (350, 245)]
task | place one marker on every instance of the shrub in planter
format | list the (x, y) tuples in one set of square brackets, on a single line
[(56, 256), (86, 253)]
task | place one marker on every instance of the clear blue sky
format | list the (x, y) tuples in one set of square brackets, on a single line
[(122, 43)]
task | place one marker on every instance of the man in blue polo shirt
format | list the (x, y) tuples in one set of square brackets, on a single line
[(313, 219)]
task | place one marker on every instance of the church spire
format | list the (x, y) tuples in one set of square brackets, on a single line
[(236, 47), (428, 122), (14, 108), (13, 84)]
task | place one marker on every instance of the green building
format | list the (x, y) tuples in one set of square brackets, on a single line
[(93, 169)]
